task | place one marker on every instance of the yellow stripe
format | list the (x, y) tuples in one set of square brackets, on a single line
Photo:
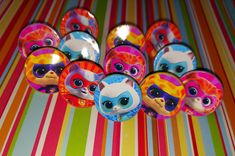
[(198, 136), (181, 133), (220, 43), (162, 13), (63, 130), (128, 137), (131, 11), (7, 18), (9, 74)]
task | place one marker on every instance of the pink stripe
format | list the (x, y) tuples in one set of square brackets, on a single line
[(162, 144), (99, 136), (16, 123), (54, 129), (41, 125), (116, 139), (142, 134), (11, 85)]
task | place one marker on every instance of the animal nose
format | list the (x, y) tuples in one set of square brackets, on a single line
[(126, 72), (115, 108)]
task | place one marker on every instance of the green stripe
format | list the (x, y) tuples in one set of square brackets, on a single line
[(218, 146), (16, 135), (79, 131)]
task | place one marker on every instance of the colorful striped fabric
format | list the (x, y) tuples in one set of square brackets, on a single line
[(34, 123)]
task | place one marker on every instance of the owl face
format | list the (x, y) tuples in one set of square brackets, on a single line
[(35, 36), (203, 93), (127, 60), (79, 20)]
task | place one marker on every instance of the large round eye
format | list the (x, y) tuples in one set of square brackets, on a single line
[(179, 69), (170, 103), (78, 82), (34, 47), (92, 87), (88, 31), (41, 71), (206, 101), (59, 70), (108, 104), (161, 37), (164, 67), (48, 42), (192, 91), (68, 54), (76, 26), (119, 67), (155, 92), (124, 101), (134, 71)]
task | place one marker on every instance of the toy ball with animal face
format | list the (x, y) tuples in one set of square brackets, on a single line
[(126, 59), (162, 33), (126, 35), (78, 82), (118, 97), (35, 36), (79, 20), (175, 58), (163, 95), (43, 68), (204, 92), (80, 45)]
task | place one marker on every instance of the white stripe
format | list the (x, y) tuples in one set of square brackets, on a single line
[(136, 135), (46, 125)]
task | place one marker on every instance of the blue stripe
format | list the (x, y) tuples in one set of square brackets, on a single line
[(170, 137), (109, 138), (150, 136), (30, 126), (119, 16), (230, 8), (187, 134)]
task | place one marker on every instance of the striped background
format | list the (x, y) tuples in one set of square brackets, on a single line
[(36, 123)]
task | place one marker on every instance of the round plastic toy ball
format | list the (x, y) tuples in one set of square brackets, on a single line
[(163, 95), (79, 20), (118, 97), (80, 45), (204, 92), (43, 68), (78, 82), (35, 36)]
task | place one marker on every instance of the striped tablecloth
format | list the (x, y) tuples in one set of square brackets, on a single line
[(40, 124)]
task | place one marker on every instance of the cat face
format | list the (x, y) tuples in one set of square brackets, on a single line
[(162, 33), (79, 20), (127, 60), (163, 95), (79, 45), (118, 101), (78, 82), (203, 95), (174, 61), (126, 35), (35, 36)]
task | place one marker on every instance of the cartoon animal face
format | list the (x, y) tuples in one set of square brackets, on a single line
[(78, 45), (43, 68), (127, 60), (204, 94), (79, 19), (35, 36), (163, 95), (177, 62), (163, 33), (82, 83)]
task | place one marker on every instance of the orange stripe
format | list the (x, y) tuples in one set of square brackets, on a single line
[(155, 138), (176, 136), (104, 137)]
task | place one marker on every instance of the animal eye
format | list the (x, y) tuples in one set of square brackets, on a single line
[(78, 82), (40, 71), (119, 67), (134, 71), (206, 101), (124, 101), (161, 37), (155, 92), (192, 91), (179, 69), (48, 41), (118, 41), (92, 87), (68, 54), (108, 104), (76, 26), (164, 67), (88, 31), (59, 70), (170, 103), (34, 47)]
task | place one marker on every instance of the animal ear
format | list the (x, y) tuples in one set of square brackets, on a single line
[(74, 67), (102, 85), (128, 81), (190, 54), (98, 76), (167, 49), (68, 37), (73, 13)]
